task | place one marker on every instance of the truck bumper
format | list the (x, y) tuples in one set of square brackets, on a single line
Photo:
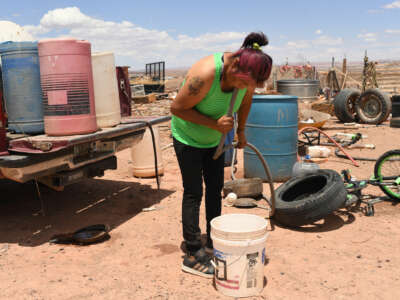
[(72, 160)]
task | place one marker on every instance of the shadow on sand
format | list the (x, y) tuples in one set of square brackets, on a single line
[(93, 201)]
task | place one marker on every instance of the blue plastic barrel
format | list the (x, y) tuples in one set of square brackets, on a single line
[(21, 84), (272, 128)]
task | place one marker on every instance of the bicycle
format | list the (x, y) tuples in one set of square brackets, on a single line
[(386, 176)]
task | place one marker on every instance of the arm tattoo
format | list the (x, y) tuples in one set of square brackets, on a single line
[(195, 85)]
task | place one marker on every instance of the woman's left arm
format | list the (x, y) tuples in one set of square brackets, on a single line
[(242, 116)]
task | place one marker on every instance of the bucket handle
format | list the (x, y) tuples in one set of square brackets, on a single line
[(225, 266), (217, 267), (225, 278)]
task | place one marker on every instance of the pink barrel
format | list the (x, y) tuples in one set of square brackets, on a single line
[(67, 86)]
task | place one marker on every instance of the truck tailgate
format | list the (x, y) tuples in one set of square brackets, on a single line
[(34, 156)]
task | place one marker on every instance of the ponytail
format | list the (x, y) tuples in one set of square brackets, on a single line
[(252, 59), (255, 37)]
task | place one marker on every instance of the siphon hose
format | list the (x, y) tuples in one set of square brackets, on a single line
[(269, 177)]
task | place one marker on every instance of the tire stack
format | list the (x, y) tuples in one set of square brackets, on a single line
[(395, 120), (370, 107)]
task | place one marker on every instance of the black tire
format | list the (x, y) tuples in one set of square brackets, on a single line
[(344, 105), (382, 170), (306, 199), (373, 106)]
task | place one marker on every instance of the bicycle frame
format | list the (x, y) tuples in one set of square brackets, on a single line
[(355, 196)]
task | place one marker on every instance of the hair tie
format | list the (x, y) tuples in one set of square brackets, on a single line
[(256, 46)]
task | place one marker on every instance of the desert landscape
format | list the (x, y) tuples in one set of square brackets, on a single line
[(345, 256)]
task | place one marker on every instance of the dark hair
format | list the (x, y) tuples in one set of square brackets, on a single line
[(252, 59)]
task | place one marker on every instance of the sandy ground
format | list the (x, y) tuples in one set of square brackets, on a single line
[(345, 256)]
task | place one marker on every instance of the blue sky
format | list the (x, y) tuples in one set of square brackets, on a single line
[(181, 32)]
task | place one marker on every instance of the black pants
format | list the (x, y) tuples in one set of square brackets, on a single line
[(196, 164)]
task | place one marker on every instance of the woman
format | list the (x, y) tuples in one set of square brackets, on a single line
[(198, 123)]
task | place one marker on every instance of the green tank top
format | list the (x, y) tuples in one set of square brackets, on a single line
[(214, 105)]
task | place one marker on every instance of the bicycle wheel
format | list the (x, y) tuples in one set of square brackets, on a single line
[(387, 171)]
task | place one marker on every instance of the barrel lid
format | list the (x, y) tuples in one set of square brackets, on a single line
[(105, 53), (11, 46), (274, 97), (238, 227), (63, 46), (63, 40), (297, 81)]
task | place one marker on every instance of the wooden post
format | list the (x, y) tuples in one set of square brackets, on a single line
[(344, 70), (344, 65)]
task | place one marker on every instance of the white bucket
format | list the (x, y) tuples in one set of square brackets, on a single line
[(239, 254)]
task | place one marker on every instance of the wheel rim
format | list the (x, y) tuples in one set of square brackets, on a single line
[(371, 107), (350, 105), (390, 167)]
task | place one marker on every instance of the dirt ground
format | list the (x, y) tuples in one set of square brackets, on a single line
[(345, 256)]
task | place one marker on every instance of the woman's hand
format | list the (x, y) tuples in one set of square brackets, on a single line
[(224, 124), (242, 141)]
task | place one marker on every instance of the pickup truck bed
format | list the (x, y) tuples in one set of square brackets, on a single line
[(41, 156)]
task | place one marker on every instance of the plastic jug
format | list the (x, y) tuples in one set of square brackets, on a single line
[(304, 167), (318, 151)]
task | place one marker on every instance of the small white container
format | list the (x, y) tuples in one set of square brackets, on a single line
[(318, 151)]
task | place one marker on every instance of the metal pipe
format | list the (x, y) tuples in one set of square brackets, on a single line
[(221, 148)]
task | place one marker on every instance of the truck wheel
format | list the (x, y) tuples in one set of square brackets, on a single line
[(304, 200), (373, 106), (344, 105)]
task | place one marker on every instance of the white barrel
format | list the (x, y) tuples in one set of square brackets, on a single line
[(239, 254), (142, 155), (108, 110)]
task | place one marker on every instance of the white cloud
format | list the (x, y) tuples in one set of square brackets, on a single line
[(135, 46), (395, 4), (131, 43), (10, 31), (368, 37), (392, 31), (333, 51), (298, 44), (328, 41)]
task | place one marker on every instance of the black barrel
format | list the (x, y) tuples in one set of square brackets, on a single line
[(395, 120)]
